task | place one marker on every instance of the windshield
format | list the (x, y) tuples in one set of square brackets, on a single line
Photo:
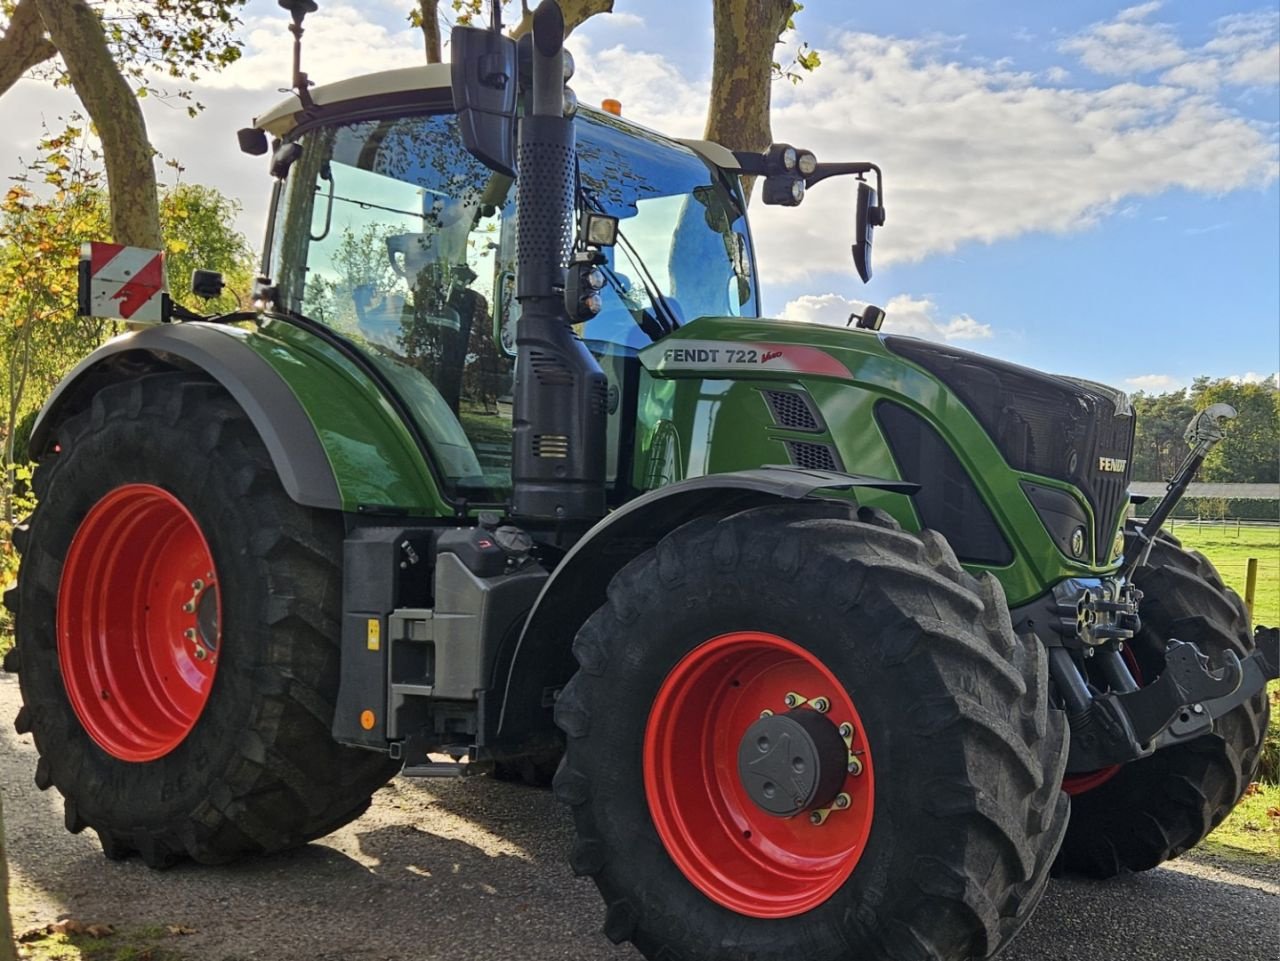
[(395, 236)]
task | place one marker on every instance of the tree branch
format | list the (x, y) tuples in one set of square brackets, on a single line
[(576, 13), (127, 154), (23, 45)]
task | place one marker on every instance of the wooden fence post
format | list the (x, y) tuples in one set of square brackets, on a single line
[(1250, 586)]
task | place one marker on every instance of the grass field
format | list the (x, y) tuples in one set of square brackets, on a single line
[(1230, 552)]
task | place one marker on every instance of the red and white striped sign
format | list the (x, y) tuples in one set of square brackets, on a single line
[(126, 282)]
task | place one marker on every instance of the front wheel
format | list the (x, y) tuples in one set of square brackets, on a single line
[(177, 620), (1139, 815), (793, 732)]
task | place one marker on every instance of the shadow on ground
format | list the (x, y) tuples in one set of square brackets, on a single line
[(474, 871)]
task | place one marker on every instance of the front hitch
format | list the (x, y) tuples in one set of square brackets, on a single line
[(1182, 704)]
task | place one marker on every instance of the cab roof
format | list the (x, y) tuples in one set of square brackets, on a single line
[(422, 87)]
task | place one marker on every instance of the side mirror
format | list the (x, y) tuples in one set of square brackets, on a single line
[(869, 215), (484, 95), (207, 283)]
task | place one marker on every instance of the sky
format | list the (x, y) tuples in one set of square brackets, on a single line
[(1086, 188)]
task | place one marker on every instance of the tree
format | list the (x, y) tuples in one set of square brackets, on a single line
[(110, 52), (1158, 447), (1250, 453), (41, 231), (743, 70)]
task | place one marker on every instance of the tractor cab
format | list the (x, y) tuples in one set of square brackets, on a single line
[(387, 230)]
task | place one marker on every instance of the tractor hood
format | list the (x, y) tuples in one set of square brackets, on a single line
[(1043, 425)]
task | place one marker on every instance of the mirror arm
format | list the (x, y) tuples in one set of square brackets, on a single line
[(858, 168)]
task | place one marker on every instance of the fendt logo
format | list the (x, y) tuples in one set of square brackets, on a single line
[(1114, 465)]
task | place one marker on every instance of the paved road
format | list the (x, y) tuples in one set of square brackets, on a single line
[(454, 871)]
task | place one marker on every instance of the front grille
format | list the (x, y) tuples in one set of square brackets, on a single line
[(813, 456), (793, 410), (1042, 424), (948, 500)]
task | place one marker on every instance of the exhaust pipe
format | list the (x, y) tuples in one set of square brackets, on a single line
[(560, 396)]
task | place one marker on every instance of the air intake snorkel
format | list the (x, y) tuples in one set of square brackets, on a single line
[(560, 396)]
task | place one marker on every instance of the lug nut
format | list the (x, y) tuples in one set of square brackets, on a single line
[(855, 766), (766, 713), (197, 584), (821, 705), (816, 817), (189, 607), (791, 700), (846, 729), (842, 801), (189, 633), (200, 653)]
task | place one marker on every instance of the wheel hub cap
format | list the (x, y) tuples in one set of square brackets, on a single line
[(792, 762)]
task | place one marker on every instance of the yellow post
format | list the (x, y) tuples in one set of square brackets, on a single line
[(1250, 586)]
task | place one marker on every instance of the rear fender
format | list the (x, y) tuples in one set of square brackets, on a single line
[(333, 443), (542, 660)]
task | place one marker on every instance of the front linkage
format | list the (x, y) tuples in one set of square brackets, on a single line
[(1089, 621)]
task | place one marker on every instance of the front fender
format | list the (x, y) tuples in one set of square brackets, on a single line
[(334, 441), (542, 659)]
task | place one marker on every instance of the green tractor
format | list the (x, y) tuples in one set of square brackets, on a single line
[(836, 643)]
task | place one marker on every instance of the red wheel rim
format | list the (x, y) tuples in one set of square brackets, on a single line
[(138, 622), (735, 853), (1076, 784)]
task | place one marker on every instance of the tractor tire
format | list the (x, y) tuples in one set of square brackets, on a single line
[(1154, 809), (949, 771), (177, 619), (533, 764)]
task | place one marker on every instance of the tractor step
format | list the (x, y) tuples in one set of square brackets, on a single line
[(443, 769)]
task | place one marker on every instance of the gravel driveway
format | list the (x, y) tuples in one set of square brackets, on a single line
[(474, 870)]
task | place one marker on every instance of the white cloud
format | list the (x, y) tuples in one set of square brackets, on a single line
[(1244, 51), (971, 152), (341, 41), (1251, 377), (1047, 158), (619, 21), (1140, 11), (1155, 383), (1128, 44), (904, 314)]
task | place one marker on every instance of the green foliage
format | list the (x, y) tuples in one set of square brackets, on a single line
[(1248, 455), (196, 224), (1158, 448), (180, 39), (54, 206)]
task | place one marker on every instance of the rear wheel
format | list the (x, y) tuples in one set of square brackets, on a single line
[(793, 732), (177, 623), (1134, 817)]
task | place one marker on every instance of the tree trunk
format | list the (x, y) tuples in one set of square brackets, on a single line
[(746, 31), (6, 925), (576, 13), (431, 29), (126, 150), (23, 45)]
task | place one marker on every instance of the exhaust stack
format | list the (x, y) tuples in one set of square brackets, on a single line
[(560, 397)]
